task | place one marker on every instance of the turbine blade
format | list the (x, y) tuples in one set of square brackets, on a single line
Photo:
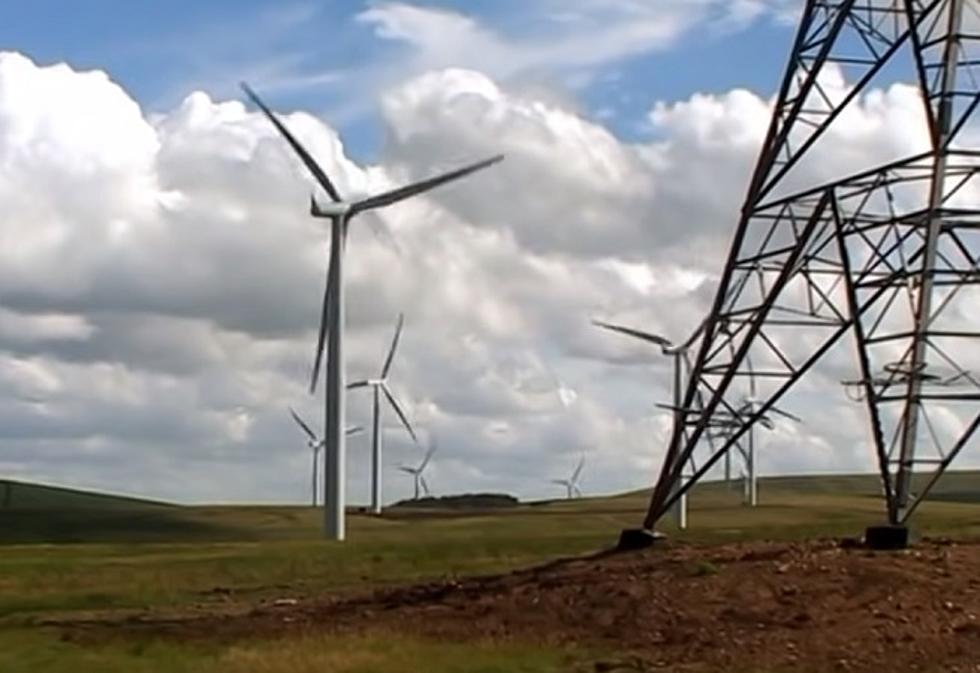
[(357, 384), (321, 339), (354, 430), (792, 417), (383, 235), (394, 345), (578, 470), (661, 341), (303, 425), (308, 161), (560, 482), (398, 410), (425, 486), (577, 490), (407, 470), (428, 455), (402, 193)]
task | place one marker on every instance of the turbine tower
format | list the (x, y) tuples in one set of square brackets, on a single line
[(315, 444), (417, 472), (750, 405), (571, 484), (340, 213), (888, 253), (379, 386)]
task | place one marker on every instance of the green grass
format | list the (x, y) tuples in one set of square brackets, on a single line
[(30, 651), (130, 555), (266, 551)]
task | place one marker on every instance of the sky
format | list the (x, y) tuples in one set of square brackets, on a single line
[(613, 60), (160, 276)]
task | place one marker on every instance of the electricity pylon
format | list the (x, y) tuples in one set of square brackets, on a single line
[(889, 253)]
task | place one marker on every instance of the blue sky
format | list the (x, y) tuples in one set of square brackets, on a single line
[(336, 57)]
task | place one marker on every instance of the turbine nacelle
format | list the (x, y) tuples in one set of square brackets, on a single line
[(330, 209)]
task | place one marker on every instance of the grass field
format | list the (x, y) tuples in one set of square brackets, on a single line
[(67, 555)]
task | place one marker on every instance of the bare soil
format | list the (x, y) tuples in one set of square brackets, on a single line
[(812, 606)]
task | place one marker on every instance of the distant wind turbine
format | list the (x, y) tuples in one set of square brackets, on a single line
[(749, 406), (379, 386), (679, 353), (417, 472), (571, 484), (340, 213), (315, 444)]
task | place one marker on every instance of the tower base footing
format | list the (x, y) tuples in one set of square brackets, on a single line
[(634, 539), (887, 537)]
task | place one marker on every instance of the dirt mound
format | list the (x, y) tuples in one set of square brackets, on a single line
[(762, 606)]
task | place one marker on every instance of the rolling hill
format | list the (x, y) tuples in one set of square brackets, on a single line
[(32, 513), (17, 495)]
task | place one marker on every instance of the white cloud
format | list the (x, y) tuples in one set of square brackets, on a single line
[(157, 309), (570, 43), (547, 45), (593, 34)]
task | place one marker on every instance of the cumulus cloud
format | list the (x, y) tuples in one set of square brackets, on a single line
[(160, 284), (554, 49)]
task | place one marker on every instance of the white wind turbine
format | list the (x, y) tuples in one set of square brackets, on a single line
[(340, 213), (571, 484), (681, 363), (379, 386), (315, 444), (417, 472), (749, 406)]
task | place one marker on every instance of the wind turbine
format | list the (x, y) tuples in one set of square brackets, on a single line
[(340, 213), (679, 354), (748, 408), (416, 472), (379, 386), (571, 484), (315, 444)]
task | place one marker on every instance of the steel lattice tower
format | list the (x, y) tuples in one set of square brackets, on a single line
[(889, 254)]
